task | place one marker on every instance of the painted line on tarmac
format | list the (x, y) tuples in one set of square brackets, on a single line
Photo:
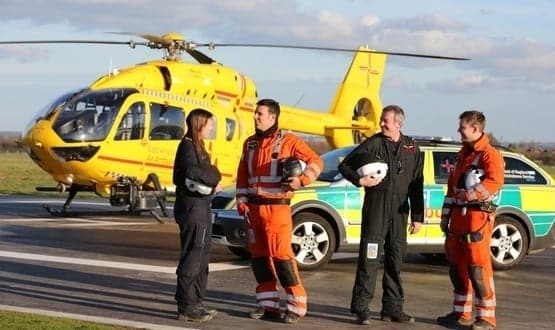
[(57, 201), (344, 255), (75, 222), (96, 319), (214, 267), (31, 219)]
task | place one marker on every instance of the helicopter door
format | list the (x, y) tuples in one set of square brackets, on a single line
[(132, 125), (167, 127), (225, 153), (125, 154)]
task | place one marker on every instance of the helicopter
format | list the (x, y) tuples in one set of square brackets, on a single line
[(118, 136)]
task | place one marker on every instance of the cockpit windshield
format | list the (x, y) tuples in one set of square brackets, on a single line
[(51, 107), (90, 115)]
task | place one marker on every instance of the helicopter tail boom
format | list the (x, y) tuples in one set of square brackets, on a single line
[(355, 110)]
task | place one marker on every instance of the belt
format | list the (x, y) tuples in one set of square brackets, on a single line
[(262, 201), (488, 207)]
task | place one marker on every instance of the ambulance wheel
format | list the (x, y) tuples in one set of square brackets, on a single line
[(241, 252), (313, 240), (509, 243)]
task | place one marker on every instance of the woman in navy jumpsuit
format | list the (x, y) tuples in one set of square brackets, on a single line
[(196, 181)]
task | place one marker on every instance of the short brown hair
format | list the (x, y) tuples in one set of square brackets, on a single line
[(273, 106), (474, 117)]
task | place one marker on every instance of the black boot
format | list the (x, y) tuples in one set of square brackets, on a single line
[(195, 315)]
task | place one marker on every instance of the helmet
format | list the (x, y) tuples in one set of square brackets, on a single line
[(196, 186), (377, 170), (292, 167), (473, 177)]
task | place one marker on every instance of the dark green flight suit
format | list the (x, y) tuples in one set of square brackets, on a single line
[(385, 217)]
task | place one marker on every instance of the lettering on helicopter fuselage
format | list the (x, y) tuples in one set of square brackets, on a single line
[(160, 154)]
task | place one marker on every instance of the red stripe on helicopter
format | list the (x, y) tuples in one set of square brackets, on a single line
[(223, 93), (127, 161), (135, 162), (245, 108)]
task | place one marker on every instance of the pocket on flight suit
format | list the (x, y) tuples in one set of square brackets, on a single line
[(191, 265)]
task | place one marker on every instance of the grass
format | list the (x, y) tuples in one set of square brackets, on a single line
[(20, 175), (16, 320)]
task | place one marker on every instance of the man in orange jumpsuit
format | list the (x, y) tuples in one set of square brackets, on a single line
[(263, 197), (468, 217)]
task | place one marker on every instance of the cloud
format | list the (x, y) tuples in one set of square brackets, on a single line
[(23, 54), (523, 62)]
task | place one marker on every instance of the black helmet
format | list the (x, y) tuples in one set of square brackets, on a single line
[(292, 167)]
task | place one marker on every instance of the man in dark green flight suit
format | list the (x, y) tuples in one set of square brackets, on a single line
[(385, 213)]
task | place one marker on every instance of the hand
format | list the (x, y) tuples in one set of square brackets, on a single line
[(444, 224), (247, 218), (242, 208), (218, 188), (414, 227), (293, 183), (369, 181)]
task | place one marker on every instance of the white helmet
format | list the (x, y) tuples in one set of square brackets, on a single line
[(377, 170), (473, 177), (196, 186)]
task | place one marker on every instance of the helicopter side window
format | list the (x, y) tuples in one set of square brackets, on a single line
[(230, 125), (166, 122), (132, 125)]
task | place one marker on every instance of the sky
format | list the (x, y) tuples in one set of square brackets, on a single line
[(510, 76)]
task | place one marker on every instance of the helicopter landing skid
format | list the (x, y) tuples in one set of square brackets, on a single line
[(64, 212)]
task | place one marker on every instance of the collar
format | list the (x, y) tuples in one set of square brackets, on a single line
[(478, 145), (270, 131)]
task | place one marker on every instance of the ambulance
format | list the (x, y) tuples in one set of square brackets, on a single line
[(327, 214)]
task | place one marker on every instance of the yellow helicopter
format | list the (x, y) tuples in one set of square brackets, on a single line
[(119, 135)]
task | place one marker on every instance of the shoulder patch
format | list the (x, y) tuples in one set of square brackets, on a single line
[(409, 148)]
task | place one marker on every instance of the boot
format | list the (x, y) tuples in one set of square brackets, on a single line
[(453, 319), (482, 325), (261, 313), (196, 315), (399, 316), (291, 318)]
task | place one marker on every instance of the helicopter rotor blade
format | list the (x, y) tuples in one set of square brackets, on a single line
[(213, 45), (149, 37), (200, 57), (130, 43), (177, 44)]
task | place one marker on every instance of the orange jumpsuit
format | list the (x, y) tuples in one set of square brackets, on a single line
[(260, 191), (468, 239)]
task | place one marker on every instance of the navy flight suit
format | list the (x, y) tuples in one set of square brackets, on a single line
[(193, 215), (385, 217)]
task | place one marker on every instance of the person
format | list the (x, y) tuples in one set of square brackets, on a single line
[(196, 181), (467, 219), (385, 213), (263, 197)]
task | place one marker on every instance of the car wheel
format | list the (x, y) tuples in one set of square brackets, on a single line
[(313, 240), (509, 243), (241, 252)]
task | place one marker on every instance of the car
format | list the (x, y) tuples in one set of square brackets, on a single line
[(327, 213)]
